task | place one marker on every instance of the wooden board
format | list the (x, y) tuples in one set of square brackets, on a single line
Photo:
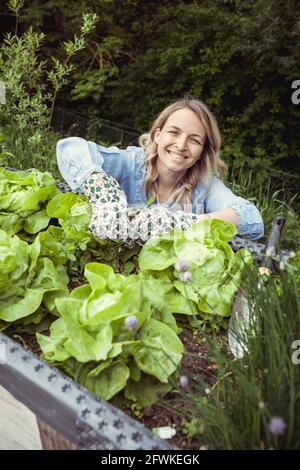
[(18, 425), (53, 440)]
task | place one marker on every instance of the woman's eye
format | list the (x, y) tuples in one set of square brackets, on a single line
[(196, 142), (172, 132)]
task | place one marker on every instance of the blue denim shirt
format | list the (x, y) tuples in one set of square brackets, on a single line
[(77, 158)]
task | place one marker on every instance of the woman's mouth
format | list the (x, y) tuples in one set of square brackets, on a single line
[(176, 156)]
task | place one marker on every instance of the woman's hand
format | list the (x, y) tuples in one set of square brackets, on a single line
[(229, 215), (205, 217)]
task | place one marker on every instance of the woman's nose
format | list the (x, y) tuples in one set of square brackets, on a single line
[(181, 142)]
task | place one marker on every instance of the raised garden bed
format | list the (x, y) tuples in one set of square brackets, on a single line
[(86, 420)]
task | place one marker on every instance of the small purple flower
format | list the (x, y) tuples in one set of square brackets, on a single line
[(182, 265), (184, 381), (277, 425), (185, 276), (131, 322)]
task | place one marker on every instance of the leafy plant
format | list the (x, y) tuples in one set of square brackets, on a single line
[(28, 280), (73, 213), (32, 85), (109, 354), (215, 269), (23, 200)]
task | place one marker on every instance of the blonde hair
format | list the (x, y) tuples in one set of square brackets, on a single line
[(208, 165)]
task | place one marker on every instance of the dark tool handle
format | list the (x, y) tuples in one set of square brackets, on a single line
[(274, 237), (272, 245)]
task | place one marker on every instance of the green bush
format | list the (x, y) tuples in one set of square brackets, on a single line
[(32, 85)]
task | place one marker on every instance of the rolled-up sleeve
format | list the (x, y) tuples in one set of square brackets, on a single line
[(77, 158), (250, 222)]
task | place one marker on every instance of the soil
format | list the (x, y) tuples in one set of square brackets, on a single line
[(176, 409)]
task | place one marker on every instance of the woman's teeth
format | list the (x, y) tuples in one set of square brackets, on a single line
[(176, 157)]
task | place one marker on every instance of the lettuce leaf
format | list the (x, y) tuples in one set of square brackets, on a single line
[(23, 199), (91, 332), (216, 270), (25, 278)]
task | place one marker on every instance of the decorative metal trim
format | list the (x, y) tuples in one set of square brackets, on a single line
[(83, 418)]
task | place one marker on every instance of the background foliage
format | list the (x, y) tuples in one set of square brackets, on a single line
[(238, 57)]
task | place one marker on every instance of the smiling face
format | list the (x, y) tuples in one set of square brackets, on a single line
[(180, 141)]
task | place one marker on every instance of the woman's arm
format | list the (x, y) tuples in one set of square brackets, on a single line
[(77, 158)]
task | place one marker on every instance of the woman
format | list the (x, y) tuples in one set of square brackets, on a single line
[(178, 162)]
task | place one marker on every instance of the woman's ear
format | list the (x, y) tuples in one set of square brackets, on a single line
[(157, 135)]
